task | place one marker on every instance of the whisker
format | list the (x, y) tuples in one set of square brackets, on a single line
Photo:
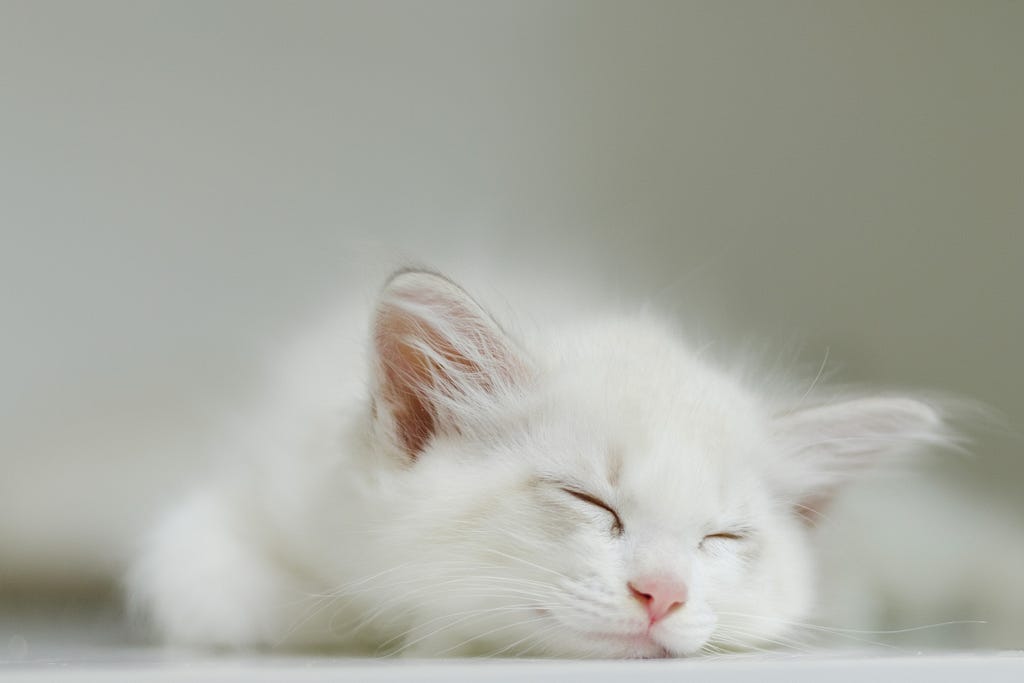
[(491, 632), (537, 636), (817, 377), (465, 616)]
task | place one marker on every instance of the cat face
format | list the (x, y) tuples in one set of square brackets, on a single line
[(605, 493)]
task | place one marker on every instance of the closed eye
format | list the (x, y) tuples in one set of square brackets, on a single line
[(726, 536), (617, 528)]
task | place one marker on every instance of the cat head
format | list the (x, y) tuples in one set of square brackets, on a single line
[(602, 491)]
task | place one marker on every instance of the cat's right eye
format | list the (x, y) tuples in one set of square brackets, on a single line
[(617, 528)]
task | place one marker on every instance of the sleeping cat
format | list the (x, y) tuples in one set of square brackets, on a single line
[(438, 486)]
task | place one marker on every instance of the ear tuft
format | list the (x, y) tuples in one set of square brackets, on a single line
[(441, 361)]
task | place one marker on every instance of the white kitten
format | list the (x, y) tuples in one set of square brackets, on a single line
[(596, 490)]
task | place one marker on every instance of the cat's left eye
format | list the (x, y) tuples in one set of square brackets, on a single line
[(724, 536)]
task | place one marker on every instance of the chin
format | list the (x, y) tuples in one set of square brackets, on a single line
[(619, 646)]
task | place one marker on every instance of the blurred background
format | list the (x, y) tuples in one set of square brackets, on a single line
[(183, 182)]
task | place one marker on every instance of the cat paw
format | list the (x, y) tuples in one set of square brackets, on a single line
[(202, 583)]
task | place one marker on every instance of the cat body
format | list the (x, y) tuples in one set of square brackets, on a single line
[(425, 482)]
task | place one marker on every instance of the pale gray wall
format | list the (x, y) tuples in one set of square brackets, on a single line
[(177, 179)]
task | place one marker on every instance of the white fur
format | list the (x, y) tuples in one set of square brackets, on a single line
[(325, 529)]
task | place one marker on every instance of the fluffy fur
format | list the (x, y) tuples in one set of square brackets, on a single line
[(454, 489)]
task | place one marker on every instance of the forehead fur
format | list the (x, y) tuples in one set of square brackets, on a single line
[(628, 401)]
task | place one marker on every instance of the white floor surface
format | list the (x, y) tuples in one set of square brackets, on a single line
[(79, 643)]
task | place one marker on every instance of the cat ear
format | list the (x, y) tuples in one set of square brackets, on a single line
[(441, 363), (827, 445)]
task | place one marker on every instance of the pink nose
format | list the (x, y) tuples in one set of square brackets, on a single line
[(660, 595)]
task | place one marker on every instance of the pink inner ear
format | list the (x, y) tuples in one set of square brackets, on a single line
[(407, 373), (411, 378), (413, 419), (441, 359)]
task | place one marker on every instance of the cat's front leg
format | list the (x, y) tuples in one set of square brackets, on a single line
[(206, 580)]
